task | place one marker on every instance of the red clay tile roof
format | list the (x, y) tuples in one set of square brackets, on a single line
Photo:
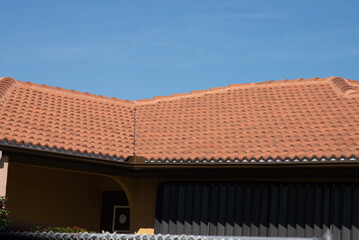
[(303, 118), (55, 119), (290, 120)]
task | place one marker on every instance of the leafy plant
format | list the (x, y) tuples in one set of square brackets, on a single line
[(3, 214), (73, 229)]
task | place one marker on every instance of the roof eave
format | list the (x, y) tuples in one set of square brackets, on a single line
[(138, 163)]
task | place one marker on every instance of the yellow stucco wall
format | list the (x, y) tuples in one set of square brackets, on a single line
[(40, 196), (141, 193), (50, 197)]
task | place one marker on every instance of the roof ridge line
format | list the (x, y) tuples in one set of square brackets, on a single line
[(75, 92), (6, 85), (343, 87), (176, 96)]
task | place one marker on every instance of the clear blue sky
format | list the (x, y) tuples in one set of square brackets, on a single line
[(140, 49)]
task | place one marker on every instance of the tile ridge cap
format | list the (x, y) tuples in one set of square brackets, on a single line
[(296, 81), (77, 93), (176, 96), (6, 85), (344, 87)]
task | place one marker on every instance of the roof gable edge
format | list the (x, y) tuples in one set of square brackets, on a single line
[(6, 85), (343, 87)]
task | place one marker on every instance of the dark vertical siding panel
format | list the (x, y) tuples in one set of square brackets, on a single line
[(158, 211), (309, 211), (180, 209), (165, 209), (326, 208), (347, 208), (292, 210), (238, 217), (188, 210), (173, 208), (318, 208), (197, 209), (222, 210), (355, 213), (273, 212), (204, 210), (283, 209), (336, 212), (246, 227), (230, 210), (213, 214), (255, 210), (264, 202), (300, 211)]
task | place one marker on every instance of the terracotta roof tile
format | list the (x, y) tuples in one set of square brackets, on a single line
[(63, 120), (301, 118), (275, 121)]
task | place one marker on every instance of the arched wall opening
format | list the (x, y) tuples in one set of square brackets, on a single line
[(41, 196)]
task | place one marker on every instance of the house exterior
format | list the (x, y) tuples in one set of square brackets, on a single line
[(277, 158)]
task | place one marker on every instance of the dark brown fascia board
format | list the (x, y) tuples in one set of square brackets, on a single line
[(137, 163), (45, 153), (257, 173), (188, 171)]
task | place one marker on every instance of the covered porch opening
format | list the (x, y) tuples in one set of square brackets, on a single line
[(44, 196)]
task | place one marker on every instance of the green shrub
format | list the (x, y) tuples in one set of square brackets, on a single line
[(73, 229), (3, 214)]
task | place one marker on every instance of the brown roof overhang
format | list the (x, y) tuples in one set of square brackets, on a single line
[(136, 166)]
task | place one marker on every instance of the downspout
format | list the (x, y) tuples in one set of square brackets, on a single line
[(134, 132)]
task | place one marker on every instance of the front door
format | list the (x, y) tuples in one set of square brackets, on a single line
[(115, 215)]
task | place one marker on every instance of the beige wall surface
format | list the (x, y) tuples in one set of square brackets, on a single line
[(49, 197), (40, 196), (141, 193), (4, 163)]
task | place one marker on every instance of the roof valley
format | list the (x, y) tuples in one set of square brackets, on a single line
[(134, 131)]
